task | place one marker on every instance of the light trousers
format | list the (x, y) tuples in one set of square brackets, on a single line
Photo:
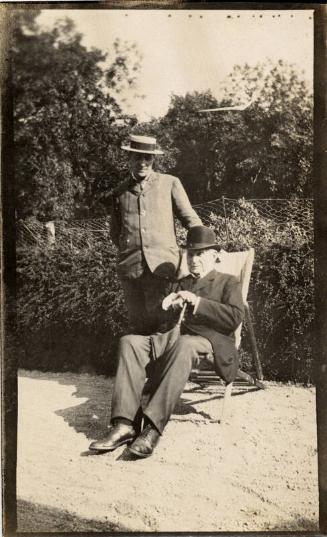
[(168, 376)]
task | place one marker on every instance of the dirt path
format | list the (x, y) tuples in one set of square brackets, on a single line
[(257, 473)]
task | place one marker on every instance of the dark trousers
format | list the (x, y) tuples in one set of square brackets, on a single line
[(143, 299), (170, 374)]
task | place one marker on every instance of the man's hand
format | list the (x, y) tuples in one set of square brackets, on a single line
[(172, 301), (187, 296)]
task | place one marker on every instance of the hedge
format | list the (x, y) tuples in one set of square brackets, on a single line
[(71, 310)]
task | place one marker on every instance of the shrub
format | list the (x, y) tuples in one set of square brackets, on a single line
[(71, 309), (70, 306), (281, 292)]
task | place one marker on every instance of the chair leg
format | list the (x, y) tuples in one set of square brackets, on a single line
[(251, 380), (226, 409), (253, 342)]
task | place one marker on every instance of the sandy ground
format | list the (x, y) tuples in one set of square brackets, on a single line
[(256, 473)]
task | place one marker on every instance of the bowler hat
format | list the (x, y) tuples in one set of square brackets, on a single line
[(142, 144), (201, 238)]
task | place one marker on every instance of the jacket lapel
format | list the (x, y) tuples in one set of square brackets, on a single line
[(135, 187), (204, 282), (153, 177)]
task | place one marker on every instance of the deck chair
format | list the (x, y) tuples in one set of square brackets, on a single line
[(239, 264)]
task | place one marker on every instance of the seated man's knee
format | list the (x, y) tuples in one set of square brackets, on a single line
[(135, 347), (186, 348), (125, 340), (185, 342), (129, 341)]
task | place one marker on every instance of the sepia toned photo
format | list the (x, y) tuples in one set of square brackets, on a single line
[(164, 269)]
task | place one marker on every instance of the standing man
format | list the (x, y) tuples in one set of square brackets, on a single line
[(144, 207), (214, 311)]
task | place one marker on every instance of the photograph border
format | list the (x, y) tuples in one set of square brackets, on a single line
[(8, 198)]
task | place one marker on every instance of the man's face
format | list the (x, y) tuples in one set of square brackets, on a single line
[(200, 262), (140, 164)]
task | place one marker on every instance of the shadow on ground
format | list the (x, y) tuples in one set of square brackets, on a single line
[(32, 517), (92, 417), (189, 405)]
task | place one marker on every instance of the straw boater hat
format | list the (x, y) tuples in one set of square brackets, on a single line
[(142, 144)]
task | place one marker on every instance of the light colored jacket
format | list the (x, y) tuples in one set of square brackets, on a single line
[(142, 225)]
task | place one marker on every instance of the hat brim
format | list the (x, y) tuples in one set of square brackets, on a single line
[(149, 152), (202, 247)]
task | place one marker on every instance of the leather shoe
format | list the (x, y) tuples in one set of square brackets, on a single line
[(119, 435), (145, 443)]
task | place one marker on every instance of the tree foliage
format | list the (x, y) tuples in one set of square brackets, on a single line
[(66, 118), (69, 127), (263, 151)]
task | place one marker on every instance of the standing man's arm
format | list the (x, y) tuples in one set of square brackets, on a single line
[(182, 206)]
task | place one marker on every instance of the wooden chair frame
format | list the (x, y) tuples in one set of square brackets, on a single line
[(239, 264)]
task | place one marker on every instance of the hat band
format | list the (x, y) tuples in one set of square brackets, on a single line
[(140, 146), (200, 245)]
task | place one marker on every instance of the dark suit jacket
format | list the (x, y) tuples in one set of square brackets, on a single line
[(220, 312), (142, 224)]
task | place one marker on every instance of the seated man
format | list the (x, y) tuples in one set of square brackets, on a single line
[(214, 310)]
